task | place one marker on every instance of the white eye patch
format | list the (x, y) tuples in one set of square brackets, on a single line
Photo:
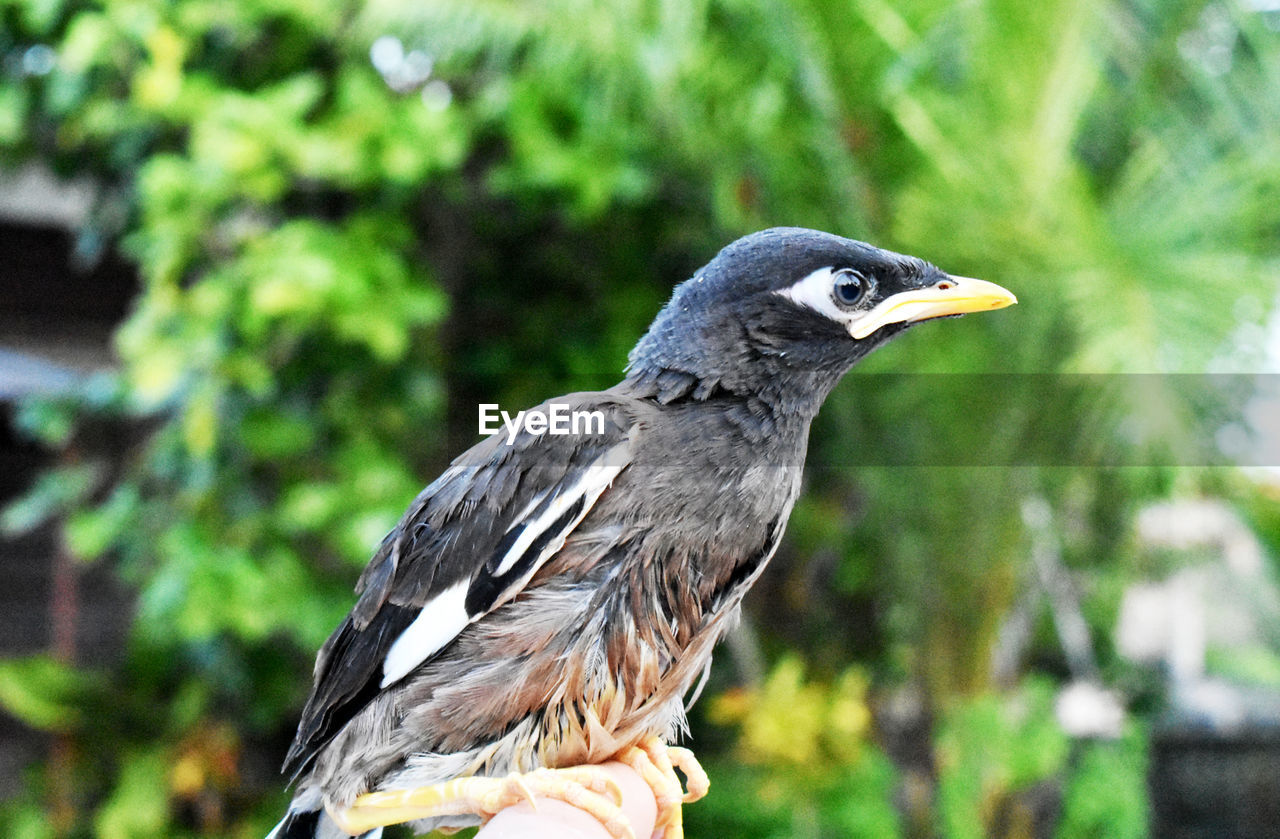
[(814, 292)]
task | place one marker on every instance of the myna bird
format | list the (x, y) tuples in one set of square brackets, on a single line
[(550, 601)]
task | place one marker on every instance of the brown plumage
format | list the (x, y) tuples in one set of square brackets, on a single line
[(550, 601)]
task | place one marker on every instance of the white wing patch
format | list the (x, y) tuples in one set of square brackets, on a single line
[(441, 619), (445, 615), (595, 480)]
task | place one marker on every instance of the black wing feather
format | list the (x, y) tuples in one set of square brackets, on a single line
[(456, 527), (343, 686)]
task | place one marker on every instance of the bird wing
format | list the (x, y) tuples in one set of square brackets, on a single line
[(467, 544)]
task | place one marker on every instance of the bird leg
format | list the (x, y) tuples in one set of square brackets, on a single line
[(588, 788), (656, 763)]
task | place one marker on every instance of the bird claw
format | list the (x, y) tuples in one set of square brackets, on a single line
[(589, 788), (656, 763), (513, 790), (695, 776)]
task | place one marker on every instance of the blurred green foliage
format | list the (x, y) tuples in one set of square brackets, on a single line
[(1105, 796), (991, 746), (803, 748), (340, 260)]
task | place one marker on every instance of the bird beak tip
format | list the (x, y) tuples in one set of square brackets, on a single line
[(994, 296)]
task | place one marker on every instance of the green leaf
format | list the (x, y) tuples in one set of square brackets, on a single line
[(92, 531), (138, 807), (27, 821), (50, 421), (42, 15), (51, 495), (13, 113), (41, 691), (271, 434)]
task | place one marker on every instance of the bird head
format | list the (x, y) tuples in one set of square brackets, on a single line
[(787, 311)]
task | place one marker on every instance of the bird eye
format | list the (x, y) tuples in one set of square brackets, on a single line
[(850, 287)]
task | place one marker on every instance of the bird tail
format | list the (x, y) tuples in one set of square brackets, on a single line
[(313, 824)]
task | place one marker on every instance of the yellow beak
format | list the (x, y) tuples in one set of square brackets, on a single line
[(949, 296)]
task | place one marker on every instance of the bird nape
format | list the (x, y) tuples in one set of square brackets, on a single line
[(548, 603)]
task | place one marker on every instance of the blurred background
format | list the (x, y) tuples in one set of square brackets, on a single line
[(259, 262)]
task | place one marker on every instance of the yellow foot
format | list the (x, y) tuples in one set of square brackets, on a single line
[(657, 762), (588, 788)]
